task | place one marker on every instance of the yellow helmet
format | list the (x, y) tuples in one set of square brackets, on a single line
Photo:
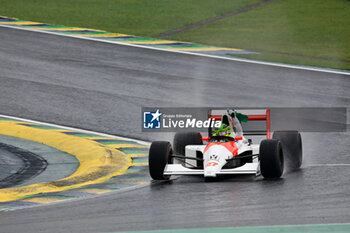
[(223, 130)]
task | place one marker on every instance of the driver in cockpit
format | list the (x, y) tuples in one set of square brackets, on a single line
[(230, 126)]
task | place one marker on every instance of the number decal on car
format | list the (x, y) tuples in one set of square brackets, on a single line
[(212, 164)]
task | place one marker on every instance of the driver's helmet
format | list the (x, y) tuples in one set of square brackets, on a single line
[(223, 130)]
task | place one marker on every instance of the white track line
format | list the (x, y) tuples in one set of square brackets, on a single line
[(76, 129), (332, 71), (328, 165)]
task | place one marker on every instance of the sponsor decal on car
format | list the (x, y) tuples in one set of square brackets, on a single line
[(212, 164)]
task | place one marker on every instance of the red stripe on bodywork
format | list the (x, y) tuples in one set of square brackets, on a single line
[(268, 127), (230, 146), (250, 117)]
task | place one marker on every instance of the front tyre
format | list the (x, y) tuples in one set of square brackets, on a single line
[(159, 156), (271, 158), (292, 147)]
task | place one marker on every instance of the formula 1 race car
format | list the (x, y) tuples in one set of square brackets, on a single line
[(227, 153)]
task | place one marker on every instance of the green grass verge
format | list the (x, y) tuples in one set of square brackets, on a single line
[(135, 17), (318, 228), (309, 31)]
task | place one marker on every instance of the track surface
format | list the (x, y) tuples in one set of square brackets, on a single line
[(102, 87)]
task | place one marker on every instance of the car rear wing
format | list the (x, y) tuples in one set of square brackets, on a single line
[(258, 121)]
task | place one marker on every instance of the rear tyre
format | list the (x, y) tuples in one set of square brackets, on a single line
[(292, 147), (181, 140), (271, 158), (159, 156)]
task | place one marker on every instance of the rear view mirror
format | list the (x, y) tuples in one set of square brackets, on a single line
[(238, 138)]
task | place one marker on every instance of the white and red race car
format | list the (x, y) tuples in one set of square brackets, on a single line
[(218, 155)]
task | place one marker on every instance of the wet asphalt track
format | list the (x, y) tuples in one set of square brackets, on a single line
[(102, 87)]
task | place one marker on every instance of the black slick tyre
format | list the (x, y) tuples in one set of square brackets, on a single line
[(181, 140), (159, 156), (292, 147), (271, 158)]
